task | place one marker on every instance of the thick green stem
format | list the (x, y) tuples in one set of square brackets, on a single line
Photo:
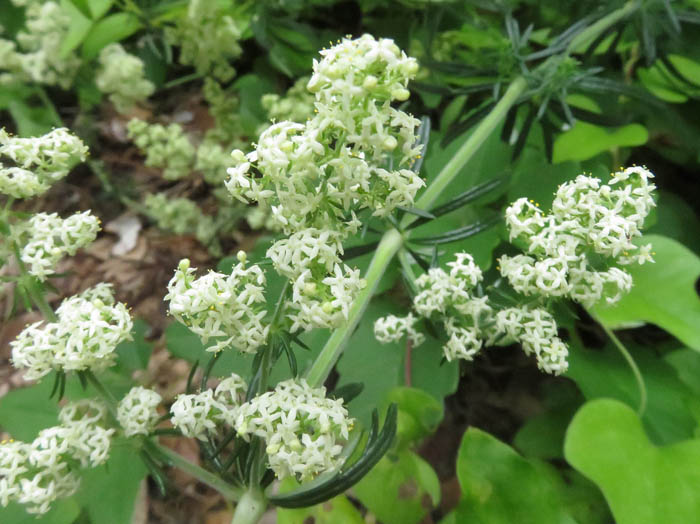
[(387, 248), (589, 34), (250, 507), (470, 146), (228, 491)]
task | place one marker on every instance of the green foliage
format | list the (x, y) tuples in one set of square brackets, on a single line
[(664, 293), (641, 482)]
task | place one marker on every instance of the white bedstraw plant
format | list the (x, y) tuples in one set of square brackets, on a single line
[(199, 414), (88, 328), (573, 253), (137, 412), (227, 308), (302, 428), (36, 473), (36, 163), (121, 76)]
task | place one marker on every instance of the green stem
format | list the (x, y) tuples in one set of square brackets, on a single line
[(387, 248), (591, 32), (228, 491), (250, 507), (641, 386), (468, 148), (55, 117)]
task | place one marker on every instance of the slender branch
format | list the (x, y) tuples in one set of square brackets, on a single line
[(228, 491), (641, 386), (468, 148)]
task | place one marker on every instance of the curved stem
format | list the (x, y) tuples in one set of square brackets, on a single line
[(641, 386), (250, 507)]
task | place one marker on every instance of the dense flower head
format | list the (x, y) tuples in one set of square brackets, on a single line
[(29, 166), (536, 330), (296, 105), (165, 147), (121, 76), (392, 329), (88, 329), (39, 55), (35, 474), (227, 308), (574, 251), (356, 152), (302, 428), (137, 412), (208, 39), (45, 239), (197, 415)]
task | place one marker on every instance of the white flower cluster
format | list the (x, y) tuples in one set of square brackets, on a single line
[(208, 39), (137, 412), (536, 330), (302, 428), (196, 415), (88, 329), (447, 297), (227, 308), (37, 473), (40, 57), (121, 76), (45, 239), (356, 152), (572, 251), (38, 162), (470, 321), (323, 289), (166, 147)]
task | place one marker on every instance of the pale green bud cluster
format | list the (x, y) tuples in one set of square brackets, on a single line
[(137, 412), (297, 104), (302, 428), (88, 329), (29, 166), (38, 57), (198, 415), (121, 76), (181, 216), (208, 38), (227, 308), (37, 473), (45, 239), (224, 108), (573, 251), (166, 147)]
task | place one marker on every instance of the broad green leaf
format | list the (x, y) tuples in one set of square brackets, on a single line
[(676, 219), (542, 436), (82, 7), (30, 120), (381, 366), (664, 293), (25, 411), (586, 140), (134, 354), (80, 24), (419, 414), (110, 490), (642, 483), (63, 511), (112, 28), (605, 373), (660, 85), (400, 489), (99, 8), (500, 486)]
